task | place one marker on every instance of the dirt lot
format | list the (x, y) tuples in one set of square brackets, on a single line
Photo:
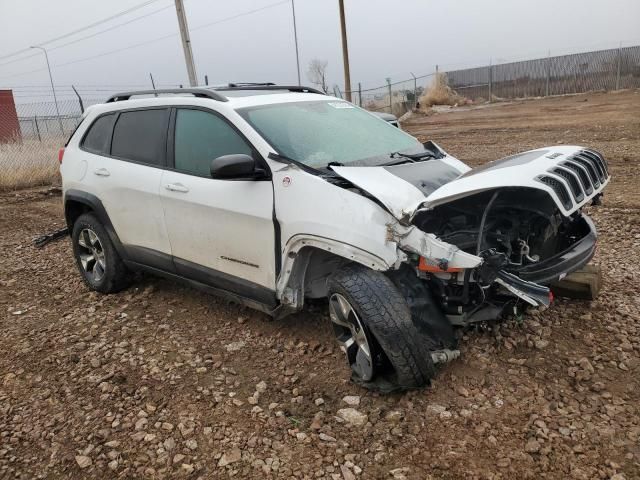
[(162, 381)]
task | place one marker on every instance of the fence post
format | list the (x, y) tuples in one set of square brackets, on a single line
[(618, 71), (415, 91), (79, 99), (359, 94), (546, 88), (390, 98), (490, 82), (35, 120)]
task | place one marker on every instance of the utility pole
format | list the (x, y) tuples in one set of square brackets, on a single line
[(345, 52), (186, 43), (55, 99), (295, 37)]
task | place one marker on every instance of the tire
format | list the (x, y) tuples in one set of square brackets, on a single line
[(98, 261), (400, 358)]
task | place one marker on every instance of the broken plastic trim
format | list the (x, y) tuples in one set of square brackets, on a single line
[(532, 293)]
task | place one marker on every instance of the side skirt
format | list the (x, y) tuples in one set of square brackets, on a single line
[(256, 305)]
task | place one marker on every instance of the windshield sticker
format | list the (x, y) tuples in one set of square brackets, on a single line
[(340, 105)]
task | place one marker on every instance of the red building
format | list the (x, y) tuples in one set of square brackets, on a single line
[(9, 125)]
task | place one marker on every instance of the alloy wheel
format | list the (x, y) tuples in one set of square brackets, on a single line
[(351, 336), (91, 255)]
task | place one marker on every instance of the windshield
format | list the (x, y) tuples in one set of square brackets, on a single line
[(318, 133)]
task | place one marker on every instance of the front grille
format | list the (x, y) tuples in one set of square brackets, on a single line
[(596, 166), (572, 179), (559, 188), (582, 174), (599, 159), (593, 175)]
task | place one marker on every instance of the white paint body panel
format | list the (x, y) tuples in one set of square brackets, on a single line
[(128, 191), (403, 199), (223, 225)]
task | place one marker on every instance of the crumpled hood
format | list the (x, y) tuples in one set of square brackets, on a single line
[(571, 175)]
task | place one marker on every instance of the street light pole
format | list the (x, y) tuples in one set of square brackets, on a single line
[(55, 99), (345, 52), (295, 37)]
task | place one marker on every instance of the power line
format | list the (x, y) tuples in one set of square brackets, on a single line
[(82, 29), (233, 17), (164, 37), (90, 35)]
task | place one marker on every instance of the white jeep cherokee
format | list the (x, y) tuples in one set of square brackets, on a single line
[(272, 195)]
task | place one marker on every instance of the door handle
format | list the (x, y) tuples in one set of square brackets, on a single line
[(176, 187), (102, 172)]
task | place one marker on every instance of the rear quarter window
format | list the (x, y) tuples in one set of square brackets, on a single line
[(140, 136), (98, 137)]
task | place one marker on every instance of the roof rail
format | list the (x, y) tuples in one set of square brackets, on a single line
[(258, 86), (246, 84), (196, 92)]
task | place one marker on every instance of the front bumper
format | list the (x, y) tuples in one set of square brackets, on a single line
[(558, 266)]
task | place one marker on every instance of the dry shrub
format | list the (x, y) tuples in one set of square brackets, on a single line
[(440, 93), (29, 163)]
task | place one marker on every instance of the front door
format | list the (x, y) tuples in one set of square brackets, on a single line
[(221, 231)]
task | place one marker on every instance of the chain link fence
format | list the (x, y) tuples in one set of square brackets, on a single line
[(606, 70), (394, 97), (32, 133), (30, 136)]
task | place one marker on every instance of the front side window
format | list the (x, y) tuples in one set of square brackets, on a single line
[(140, 135), (202, 136), (318, 133), (99, 135)]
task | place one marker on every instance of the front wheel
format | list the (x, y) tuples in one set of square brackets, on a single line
[(374, 328)]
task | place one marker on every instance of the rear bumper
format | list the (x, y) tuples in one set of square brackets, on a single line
[(556, 267)]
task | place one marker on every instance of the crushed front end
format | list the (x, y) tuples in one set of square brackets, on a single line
[(525, 238)]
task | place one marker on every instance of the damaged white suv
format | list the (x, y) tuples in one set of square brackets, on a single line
[(273, 195)]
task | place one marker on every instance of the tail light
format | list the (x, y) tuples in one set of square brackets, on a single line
[(60, 154)]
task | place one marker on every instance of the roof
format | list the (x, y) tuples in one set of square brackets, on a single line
[(232, 97)]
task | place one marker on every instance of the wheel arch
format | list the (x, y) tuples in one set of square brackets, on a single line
[(77, 202), (309, 260)]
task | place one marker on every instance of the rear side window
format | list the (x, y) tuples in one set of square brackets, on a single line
[(140, 136), (99, 135), (202, 136)]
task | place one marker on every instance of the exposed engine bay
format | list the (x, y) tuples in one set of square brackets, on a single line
[(519, 232)]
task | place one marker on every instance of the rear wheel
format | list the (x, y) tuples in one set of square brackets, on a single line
[(373, 326), (98, 261)]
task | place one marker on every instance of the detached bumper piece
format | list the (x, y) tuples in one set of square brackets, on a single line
[(534, 294)]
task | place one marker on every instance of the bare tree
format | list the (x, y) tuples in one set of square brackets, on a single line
[(317, 73)]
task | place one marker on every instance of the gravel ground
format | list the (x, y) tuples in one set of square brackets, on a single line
[(161, 381)]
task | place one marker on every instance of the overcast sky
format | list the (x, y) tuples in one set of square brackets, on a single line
[(386, 39)]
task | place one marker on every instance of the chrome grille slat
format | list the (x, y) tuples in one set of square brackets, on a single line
[(582, 174), (571, 179)]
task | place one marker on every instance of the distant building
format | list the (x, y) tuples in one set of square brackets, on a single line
[(9, 125)]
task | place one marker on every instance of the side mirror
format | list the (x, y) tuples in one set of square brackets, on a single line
[(236, 165)]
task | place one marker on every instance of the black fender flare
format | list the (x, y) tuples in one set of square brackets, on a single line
[(93, 204)]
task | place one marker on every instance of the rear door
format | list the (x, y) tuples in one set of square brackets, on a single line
[(127, 154), (221, 231)]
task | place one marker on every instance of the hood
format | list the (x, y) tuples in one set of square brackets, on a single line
[(570, 175)]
